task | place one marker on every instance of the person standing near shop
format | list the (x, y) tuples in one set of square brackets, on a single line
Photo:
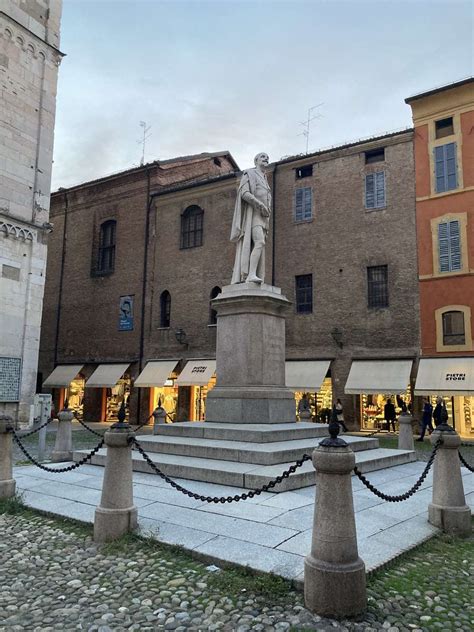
[(426, 420), (340, 414), (389, 414), (440, 414)]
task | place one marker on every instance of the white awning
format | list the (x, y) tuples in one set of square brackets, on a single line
[(378, 376), (305, 375), (197, 373), (445, 376), (107, 375), (156, 373), (62, 375)]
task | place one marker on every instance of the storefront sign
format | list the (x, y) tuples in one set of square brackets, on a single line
[(199, 369), (10, 377), (126, 313), (455, 377)]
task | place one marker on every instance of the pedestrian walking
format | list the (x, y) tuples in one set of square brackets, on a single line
[(340, 414), (389, 414), (426, 420)]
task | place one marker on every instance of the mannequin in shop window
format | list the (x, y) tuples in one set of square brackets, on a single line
[(304, 408)]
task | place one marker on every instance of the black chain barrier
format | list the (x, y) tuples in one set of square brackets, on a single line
[(59, 470), (464, 462), (222, 499), (35, 430), (412, 490)]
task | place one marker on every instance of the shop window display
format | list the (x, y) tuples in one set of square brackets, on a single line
[(320, 402), (198, 400), (169, 399), (115, 396), (74, 395), (372, 408)]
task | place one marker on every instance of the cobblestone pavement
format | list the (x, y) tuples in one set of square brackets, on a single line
[(54, 577)]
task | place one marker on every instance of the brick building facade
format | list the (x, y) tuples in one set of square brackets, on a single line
[(444, 155), (342, 248)]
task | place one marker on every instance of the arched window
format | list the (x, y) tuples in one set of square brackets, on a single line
[(212, 312), (165, 309), (453, 328), (106, 259), (191, 227)]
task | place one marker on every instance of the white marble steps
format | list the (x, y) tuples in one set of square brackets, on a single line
[(250, 475), (253, 433), (269, 453)]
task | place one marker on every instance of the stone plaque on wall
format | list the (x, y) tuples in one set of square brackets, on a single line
[(10, 377)]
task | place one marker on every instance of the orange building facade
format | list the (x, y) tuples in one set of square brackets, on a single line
[(444, 172)]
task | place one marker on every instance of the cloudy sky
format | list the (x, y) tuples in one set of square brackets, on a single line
[(241, 74)]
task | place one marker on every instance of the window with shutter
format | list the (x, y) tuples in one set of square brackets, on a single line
[(453, 328), (445, 167), (375, 190), (303, 204), (449, 246)]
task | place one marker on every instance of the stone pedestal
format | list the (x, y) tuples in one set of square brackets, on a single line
[(448, 510), (159, 418), (116, 513), (7, 482), (405, 434), (334, 574), (63, 445), (250, 357)]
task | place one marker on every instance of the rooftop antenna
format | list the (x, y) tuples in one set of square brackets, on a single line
[(306, 124), (143, 140)]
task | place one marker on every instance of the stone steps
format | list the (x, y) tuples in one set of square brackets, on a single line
[(252, 433), (269, 453), (250, 475)]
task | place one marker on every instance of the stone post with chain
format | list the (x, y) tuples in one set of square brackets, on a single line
[(116, 513), (448, 510), (405, 434), (63, 445), (7, 482), (334, 574)]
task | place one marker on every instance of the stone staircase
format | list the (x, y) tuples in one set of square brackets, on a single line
[(247, 455)]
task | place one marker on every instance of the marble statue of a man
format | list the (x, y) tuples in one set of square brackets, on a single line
[(251, 223)]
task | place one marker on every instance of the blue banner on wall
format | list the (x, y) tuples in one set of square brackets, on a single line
[(126, 313)]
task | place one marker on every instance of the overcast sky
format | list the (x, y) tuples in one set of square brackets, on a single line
[(240, 75)]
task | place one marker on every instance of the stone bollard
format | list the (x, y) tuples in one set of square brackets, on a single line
[(405, 434), (63, 445), (448, 510), (334, 574), (7, 482), (116, 514), (159, 418)]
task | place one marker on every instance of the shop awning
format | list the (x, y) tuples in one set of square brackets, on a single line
[(378, 376), (107, 375), (306, 375), (197, 373), (445, 376), (156, 373), (62, 375)]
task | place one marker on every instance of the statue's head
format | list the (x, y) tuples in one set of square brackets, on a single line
[(261, 159)]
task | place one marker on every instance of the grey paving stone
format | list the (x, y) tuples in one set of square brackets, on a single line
[(166, 495), (297, 519), (257, 557), (290, 500), (187, 537), (253, 512), (299, 544), (258, 533)]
